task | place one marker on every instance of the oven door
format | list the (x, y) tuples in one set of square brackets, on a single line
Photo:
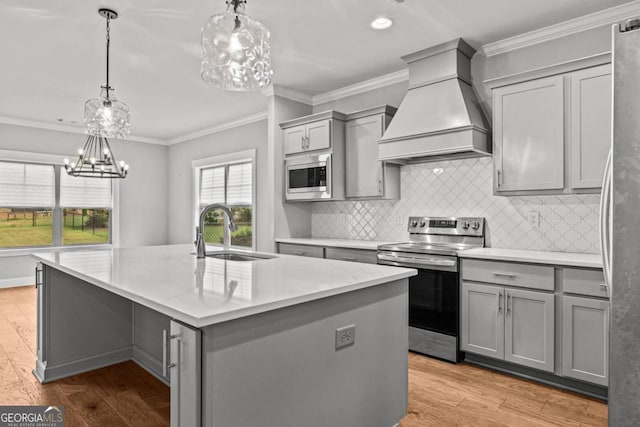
[(433, 293), (308, 177), (433, 301)]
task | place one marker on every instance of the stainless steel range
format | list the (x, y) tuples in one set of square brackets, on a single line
[(434, 294)]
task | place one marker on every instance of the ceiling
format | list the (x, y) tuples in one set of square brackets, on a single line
[(53, 52)]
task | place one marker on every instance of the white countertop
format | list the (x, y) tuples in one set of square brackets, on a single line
[(538, 257), (336, 243), (200, 292)]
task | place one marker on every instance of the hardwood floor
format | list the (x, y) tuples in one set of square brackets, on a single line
[(440, 393)]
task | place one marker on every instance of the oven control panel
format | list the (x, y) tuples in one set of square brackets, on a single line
[(461, 226)]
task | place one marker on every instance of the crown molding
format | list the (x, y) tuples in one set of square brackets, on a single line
[(563, 29), (71, 129), (218, 128), (288, 93), (364, 86), (550, 70)]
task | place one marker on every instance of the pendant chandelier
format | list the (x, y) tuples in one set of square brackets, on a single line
[(104, 117), (236, 50)]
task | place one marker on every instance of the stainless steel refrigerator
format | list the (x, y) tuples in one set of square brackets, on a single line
[(622, 214)]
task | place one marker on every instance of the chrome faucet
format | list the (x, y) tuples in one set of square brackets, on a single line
[(201, 251)]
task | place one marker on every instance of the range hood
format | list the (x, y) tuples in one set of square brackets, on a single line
[(439, 117)]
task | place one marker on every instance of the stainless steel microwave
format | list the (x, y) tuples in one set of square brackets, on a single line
[(308, 177)]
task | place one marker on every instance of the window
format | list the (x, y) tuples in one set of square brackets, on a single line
[(40, 205), (229, 183), (86, 209), (27, 198)]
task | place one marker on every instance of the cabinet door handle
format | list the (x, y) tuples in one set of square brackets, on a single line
[(499, 178), (299, 253), (379, 185), (605, 288), (348, 258), (509, 303), (507, 275), (38, 275), (165, 340), (500, 296)]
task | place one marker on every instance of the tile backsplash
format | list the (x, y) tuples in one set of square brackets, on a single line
[(568, 223)]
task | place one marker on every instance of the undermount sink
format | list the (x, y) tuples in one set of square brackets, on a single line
[(237, 256)]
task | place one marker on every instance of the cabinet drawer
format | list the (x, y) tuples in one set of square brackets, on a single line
[(507, 273), (584, 281), (302, 250), (356, 255)]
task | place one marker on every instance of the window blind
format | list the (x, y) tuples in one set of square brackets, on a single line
[(212, 185), (239, 187), (24, 185), (80, 192)]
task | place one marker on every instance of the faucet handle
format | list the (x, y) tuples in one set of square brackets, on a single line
[(197, 235)]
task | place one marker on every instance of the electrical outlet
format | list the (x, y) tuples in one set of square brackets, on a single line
[(345, 336), (534, 219)]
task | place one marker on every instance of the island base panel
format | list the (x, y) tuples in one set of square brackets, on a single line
[(80, 327), (281, 368)]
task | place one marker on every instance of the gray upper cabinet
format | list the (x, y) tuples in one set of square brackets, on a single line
[(528, 127), (309, 137), (366, 176), (295, 139), (552, 134), (590, 125), (312, 133)]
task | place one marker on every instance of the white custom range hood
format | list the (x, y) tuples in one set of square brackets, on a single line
[(440, 117)]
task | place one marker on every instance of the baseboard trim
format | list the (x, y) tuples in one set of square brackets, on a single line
[(592, 390), (46, 373), (17, 282)]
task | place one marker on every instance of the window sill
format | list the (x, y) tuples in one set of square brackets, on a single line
[(28, 251)]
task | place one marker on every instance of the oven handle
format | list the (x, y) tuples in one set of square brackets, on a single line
[(418, 261)]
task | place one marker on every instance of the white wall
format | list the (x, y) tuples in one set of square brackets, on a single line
[(143, 196), (181, 186)]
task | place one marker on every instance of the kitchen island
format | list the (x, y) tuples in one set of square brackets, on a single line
[(241, 343)]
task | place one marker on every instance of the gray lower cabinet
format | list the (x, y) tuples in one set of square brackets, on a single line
[(482, 320), (301, 250), (368, 256), (149, 327), (511, 324), (184, 362), (585, 339), (529, 329), (350, 254)]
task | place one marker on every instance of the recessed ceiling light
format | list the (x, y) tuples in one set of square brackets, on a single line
[(381, 23)]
